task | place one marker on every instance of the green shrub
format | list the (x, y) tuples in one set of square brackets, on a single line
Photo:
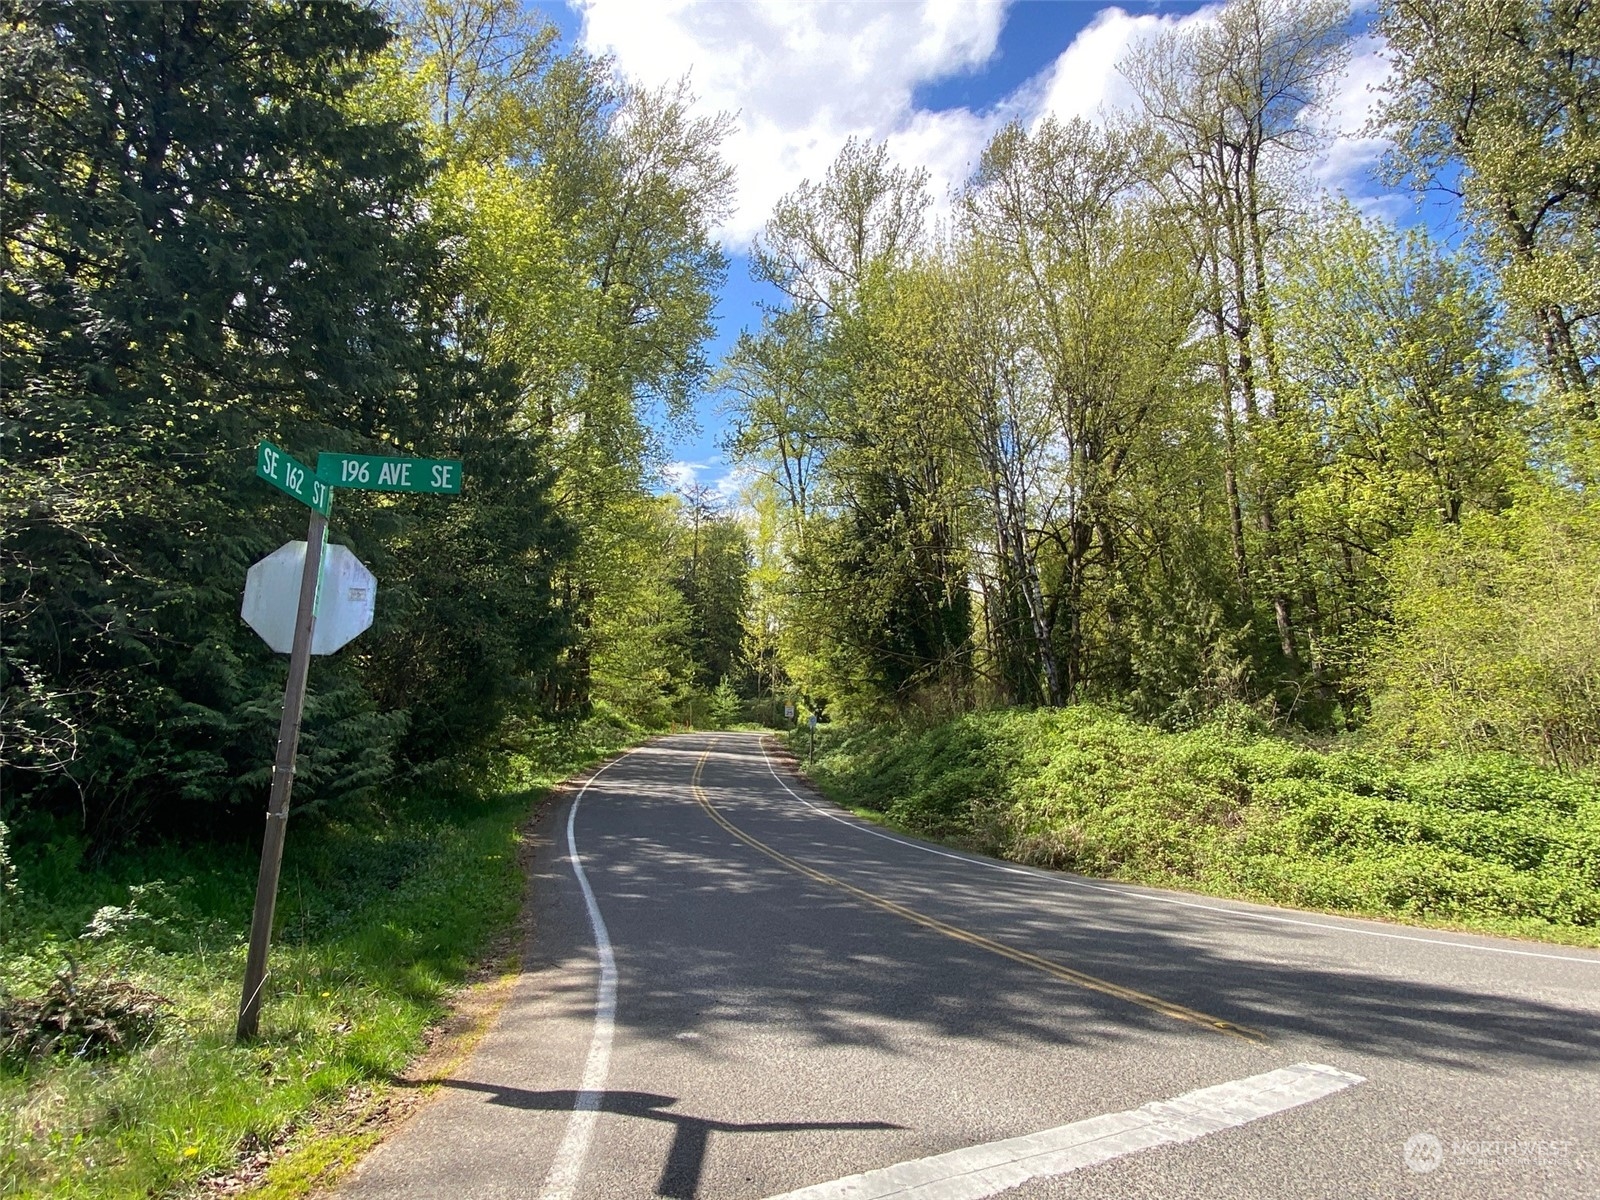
[(1488, 840), (1495, 643)]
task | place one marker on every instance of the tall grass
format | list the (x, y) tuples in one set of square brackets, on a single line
[(1485, 841), (380, 915)]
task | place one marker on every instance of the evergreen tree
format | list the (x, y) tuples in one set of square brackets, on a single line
[(207, 244)]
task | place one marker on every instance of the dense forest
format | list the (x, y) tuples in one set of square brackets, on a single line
[(1147, 420), (1151, 422), (443, 236), (1139, 509)]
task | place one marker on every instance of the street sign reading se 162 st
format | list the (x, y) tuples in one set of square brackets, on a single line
[(281, 469), (381, 473)]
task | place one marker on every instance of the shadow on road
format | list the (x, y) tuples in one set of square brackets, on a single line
[(680, 1177), (722, 951), (723, 934)]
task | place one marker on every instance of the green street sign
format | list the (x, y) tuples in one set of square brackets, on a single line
[(379, 473), (352, 612), (281, 469)]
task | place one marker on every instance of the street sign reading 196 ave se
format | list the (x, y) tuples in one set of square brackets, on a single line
[(380, 473)]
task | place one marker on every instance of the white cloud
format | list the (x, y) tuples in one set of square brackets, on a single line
[(726, 483), (1351, 153), (732, 485), (1084, 82), (800, 78), (947, 143), (1084, 79), (679, 476)]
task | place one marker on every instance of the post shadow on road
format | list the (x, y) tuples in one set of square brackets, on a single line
[(680, 1176)]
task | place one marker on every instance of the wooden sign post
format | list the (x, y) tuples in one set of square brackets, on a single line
[(315, 490)]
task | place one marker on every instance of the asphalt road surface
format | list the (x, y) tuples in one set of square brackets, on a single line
[(738, 991)]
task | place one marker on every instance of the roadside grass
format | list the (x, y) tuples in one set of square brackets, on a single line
[(1483, 842), (380, 916)]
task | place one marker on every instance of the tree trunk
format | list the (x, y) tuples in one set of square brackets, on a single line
[(1230, 469)]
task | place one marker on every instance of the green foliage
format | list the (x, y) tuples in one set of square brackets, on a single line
[(1502, 96), (584, 205), (1398, 413), (235, 221), (713, 577), (1495, 642), (1488, 841), (1145, 425), (637, 633), (725, 707), (382, 913), (209, 241), (1076, 307), (1406, 399), (836, 403)]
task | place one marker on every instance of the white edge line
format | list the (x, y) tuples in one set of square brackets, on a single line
[(1045, 877), (570, 1156), (979, 1171)]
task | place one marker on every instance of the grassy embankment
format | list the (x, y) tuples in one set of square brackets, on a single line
[(380, 916), (1488, 842)]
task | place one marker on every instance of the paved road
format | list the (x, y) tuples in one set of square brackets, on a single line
[(737, 991)]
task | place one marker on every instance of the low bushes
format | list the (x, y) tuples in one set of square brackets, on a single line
[(1486, 841)]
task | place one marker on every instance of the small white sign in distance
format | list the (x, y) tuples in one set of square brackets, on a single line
[(345, 602)]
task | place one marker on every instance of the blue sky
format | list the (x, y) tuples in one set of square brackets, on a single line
[(932, 78)]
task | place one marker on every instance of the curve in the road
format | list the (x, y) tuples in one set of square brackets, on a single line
[(1093, 983), (1124, 893)]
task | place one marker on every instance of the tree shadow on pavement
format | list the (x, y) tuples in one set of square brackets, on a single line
[(724, 934)]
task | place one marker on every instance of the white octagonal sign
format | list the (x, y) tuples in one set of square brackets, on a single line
[(345, 598)]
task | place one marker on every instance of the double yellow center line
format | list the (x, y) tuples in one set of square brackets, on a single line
[(1166, 1008)]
